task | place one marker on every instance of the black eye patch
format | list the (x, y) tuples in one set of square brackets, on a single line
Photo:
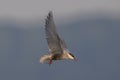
[(71, 54)]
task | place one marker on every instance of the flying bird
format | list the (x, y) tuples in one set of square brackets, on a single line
[(57, 48)]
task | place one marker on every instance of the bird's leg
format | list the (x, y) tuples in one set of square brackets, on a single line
[(50, 62)]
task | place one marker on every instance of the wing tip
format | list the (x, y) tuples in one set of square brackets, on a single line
[(48, 18), (50, 14)]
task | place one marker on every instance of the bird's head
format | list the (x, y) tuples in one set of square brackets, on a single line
[(71, 56)]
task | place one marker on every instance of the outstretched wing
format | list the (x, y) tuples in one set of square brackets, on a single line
[(52, 36), (64, 46)]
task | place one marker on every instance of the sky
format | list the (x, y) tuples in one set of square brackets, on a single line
[(36, 8), (94, 41)]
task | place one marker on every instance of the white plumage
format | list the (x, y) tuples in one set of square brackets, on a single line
[(57, 47)]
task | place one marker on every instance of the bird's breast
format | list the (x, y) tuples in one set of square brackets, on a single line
[(57, 57)]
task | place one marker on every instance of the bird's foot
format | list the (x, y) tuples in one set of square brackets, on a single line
[(50, 62)]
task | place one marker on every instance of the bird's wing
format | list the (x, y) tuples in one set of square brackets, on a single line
[(52, 36), (64, 46)]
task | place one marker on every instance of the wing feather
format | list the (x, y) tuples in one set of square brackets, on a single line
[(52, 36)]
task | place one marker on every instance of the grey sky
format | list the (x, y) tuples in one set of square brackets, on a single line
[(95, 42), (34, 8)]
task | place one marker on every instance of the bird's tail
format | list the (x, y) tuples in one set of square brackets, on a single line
[(45, 58)]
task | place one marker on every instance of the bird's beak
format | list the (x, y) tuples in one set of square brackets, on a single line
[(75, 59)]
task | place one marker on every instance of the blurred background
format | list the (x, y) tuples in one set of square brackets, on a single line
[(91, 29)]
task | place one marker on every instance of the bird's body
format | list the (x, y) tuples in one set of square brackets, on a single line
[(57, 47)]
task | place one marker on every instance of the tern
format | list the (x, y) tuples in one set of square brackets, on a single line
[(57, 48)]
